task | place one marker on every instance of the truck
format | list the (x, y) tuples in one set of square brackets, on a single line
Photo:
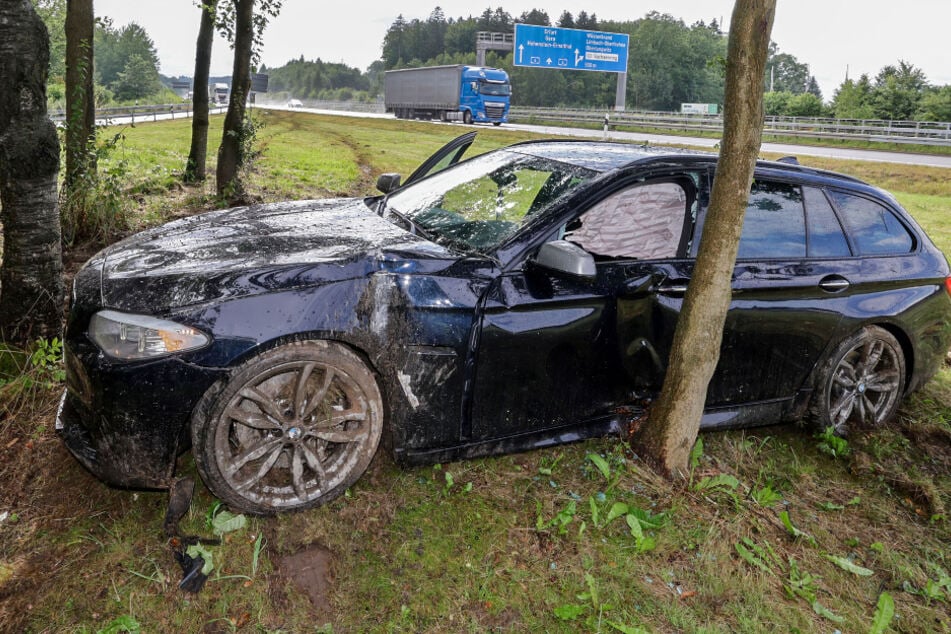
[(448, 93), (219, 94)]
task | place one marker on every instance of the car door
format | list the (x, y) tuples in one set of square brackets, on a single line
[(793, 257), (554, 348), (446, 156)]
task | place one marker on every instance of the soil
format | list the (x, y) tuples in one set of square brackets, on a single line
[(309, 571)]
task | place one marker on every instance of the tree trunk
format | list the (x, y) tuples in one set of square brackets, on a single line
[(195, 167), (31, 279), (230, 155), (668, 437), (80, 95)]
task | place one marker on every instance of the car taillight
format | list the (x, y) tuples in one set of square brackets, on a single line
[(947, 285)]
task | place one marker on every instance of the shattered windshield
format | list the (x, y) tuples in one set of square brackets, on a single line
[(479, 204)]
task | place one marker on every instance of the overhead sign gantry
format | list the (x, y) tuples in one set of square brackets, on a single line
[(570, 49), (573, 49)]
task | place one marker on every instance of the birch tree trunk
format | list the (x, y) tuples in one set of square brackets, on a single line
[(31, 278), (667, 438), (195, 167)]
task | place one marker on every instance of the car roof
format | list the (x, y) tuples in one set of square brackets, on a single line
[(605, 156)]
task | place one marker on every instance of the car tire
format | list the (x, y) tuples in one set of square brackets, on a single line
[(292, 428), (467, 117), (861, 383)]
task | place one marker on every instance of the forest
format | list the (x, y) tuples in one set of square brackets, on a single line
[(670, 63)]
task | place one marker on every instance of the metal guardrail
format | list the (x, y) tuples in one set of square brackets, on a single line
[(875, 130), (153, 112)]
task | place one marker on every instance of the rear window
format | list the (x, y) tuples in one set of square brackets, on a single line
[(873, 227), (774, 225)]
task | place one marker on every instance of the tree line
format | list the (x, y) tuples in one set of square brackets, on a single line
[(670, 63)]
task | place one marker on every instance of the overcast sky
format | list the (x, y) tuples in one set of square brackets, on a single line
[(832, 36)]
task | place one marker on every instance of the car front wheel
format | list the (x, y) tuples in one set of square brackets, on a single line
[(293, 428), (861, 383)]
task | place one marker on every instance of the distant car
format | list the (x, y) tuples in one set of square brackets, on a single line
[(519, 299), (295, 103)]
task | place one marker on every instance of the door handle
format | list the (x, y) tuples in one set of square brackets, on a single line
[(834, 284), (677, 289)]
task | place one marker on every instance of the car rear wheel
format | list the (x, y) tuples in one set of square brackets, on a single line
[(293, 428), (861, 383)]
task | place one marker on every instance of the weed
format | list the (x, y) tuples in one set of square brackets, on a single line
[(766, 497), (829, 443), (884, 612)]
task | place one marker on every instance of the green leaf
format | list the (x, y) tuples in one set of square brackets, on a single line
[(636, 531), (695, 453), (847, 565), (569, 611), (601, 464), (750, 558), (825, 612), (793, 531), (829, 506), (719, 481), (884, 612), (255, 557), (227, 522), (617, 510), (197, 550), (595, 513)]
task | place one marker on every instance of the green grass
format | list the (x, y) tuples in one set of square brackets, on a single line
[(511, 544)]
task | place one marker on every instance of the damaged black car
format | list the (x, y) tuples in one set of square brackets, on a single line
[(519, 299)]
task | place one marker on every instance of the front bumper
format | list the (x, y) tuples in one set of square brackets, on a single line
[(127, 422)]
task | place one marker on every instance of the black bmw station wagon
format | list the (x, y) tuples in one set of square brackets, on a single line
[(514, 300)]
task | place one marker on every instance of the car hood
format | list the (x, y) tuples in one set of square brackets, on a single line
[(254, 249)]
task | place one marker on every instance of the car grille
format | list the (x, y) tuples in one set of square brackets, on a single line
[(494, 111)]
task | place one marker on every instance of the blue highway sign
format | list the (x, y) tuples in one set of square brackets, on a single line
[(570, 49)]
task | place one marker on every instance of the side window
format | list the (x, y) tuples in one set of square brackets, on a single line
[(874, 228), (826, 238), (774, 225), (642, 222)]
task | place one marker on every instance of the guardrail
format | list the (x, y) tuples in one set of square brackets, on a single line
[(875, 130), (153, 112)]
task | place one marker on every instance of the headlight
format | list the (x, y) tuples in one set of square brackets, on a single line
[(125, 336)]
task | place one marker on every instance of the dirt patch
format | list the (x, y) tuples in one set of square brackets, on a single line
[(309, 570)]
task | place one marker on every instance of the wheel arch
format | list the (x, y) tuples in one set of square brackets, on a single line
[(358, 348), (907, 348)]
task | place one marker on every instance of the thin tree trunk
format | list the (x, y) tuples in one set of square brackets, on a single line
[(80, 94), (195, 167), (230, 156), (31, 279), (668, 437)]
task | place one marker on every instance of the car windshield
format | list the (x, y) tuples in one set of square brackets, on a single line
[(480, 203)]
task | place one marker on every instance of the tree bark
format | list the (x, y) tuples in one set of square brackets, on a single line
[(31, 279), (195, 167), (230, 155), (668, 437), (80, 95)]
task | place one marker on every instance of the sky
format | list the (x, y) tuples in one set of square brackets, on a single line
[(833, 37)]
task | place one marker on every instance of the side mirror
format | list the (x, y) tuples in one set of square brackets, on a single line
[(562, 256), (388, 182)]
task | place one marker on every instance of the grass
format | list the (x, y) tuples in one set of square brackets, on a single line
[(525, 543)]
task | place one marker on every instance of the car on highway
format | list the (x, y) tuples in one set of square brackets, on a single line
[(518, 299)]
